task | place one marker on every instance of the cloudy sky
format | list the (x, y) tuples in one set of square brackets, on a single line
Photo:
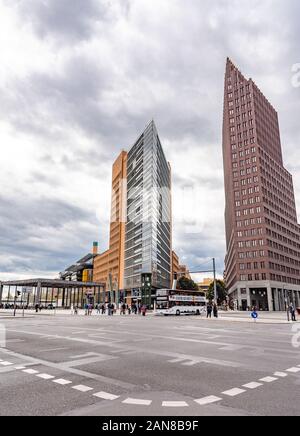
[(80, 79)]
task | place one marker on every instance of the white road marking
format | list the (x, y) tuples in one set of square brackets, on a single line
[(177, 360), (234, 392), (253, 385), (208, 400), (53, 349), (280, 374), (106, 396), (45, 376), (174, 404), (20, 367), (30, 371), (6, 363), (137, 402), (268, 379), (82, 388), (61, 381), (192, 363), (293, 370)]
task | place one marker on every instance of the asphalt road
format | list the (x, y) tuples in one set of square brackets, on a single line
[(131, 366)]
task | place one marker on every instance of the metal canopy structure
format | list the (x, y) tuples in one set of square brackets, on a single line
[(49, 283), (49, 292)]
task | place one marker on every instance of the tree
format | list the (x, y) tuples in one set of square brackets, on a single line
[(221, 292), (186, 284)]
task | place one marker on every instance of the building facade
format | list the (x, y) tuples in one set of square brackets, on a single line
[(148, 228), (109, 266), (139, 258), (262, 265)]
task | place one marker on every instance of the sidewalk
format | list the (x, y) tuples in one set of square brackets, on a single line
[(263, 317)]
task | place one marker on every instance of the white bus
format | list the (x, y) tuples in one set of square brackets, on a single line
[(177, 302)]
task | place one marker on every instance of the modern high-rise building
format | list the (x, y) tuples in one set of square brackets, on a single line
[(139, 259), (109, 266), (262, 232)]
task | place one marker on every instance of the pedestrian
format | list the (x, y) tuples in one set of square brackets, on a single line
[(37, 308), (123, 309), (209, 310), (144, 310), (86, 307), (293, 312), (103, 309), (75, 310), (112, 309), (215, 310), (90, 309), (129, 310)]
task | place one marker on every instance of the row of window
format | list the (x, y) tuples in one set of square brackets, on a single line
[(250, 232), (282, 248), (249, 222), (285, 222), (242, 163), (251, 277), (247, 201), (250, 266), (282, 229), (283, 259), (252, 243), (250, 211), (244, 182), (252, 254)]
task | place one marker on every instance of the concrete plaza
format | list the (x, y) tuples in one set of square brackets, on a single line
[(129, 366)]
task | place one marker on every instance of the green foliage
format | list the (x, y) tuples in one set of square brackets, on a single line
[(187, 285), (221, 292)]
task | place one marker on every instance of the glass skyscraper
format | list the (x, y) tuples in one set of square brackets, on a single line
[(148, 227)]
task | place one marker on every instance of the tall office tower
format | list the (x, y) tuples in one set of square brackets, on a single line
[(148, 229), (262, 233), (109, 266)]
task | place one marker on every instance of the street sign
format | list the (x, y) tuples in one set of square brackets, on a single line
[(254, 315), (27, 290)]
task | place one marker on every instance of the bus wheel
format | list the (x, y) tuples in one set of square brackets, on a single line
[(178, 313), (198, 313)]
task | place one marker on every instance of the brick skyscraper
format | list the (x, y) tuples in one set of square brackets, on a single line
[(262, 233)]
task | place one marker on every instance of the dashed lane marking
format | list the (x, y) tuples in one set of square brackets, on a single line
[(20, 367), (61, 381), (192, 363), (268, 379), (293, 370), (208, 400), (280, 374), (106, 396), (253, 385), (30, 371), (45, 376), (234, 392), (175, 404), (137, 402), (4, 363), (82, 388)]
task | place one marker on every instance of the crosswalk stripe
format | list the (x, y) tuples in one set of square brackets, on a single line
[(106, 396)]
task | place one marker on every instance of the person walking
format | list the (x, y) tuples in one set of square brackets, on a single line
[(103, 309), (293, 312), (215, 311), (209, 310), (144, 310), (123, 309)]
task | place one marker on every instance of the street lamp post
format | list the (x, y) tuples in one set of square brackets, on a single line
[(215, 281)]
